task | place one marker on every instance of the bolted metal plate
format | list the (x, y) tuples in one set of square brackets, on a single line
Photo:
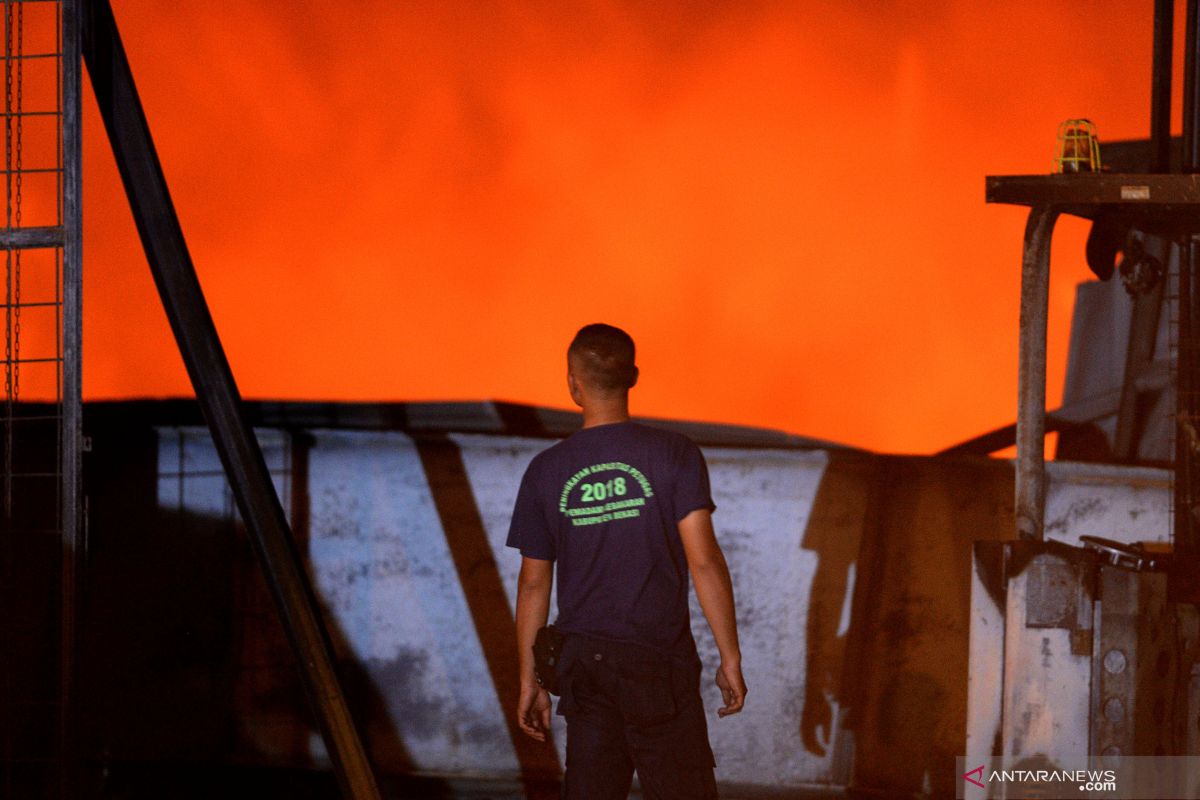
[(1053, 593)]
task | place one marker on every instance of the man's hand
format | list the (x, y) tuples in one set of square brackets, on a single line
[(714, 590), (533, 604), (533, 712), (733, 688)]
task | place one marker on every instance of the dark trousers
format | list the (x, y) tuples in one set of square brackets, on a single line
[(631, 708)]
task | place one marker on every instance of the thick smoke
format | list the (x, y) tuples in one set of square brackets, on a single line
[(782, 202)]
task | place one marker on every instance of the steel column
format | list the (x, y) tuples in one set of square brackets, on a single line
[(1031, 373), (166, 250), (1160, 87), (73, 521), (1186, 440), (1191, 85)]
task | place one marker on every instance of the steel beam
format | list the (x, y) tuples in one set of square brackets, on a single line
[(166, 250), (1031, 373), (1087, 194), (31, 238)]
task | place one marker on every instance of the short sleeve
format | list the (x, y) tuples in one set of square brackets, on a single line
[(692, 490), (528, 531)]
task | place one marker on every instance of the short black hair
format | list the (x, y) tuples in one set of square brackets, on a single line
[(607, 355)]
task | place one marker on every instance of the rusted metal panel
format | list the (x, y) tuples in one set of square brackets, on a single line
[(909, 665)]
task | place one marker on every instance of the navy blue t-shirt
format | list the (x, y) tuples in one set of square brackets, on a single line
[(604, 504)]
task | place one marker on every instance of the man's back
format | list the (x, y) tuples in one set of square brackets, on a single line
[(605, 504)]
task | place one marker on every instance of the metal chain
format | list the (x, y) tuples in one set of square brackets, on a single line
[(8, 326), (20, 122), (12, 326)]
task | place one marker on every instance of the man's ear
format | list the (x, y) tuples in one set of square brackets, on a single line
[(633, 380), (573, 388)]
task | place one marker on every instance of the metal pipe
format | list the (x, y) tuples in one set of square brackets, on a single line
[(1191, 85), (72, 389), (179, 288), (1160, 87), (1031, 373)]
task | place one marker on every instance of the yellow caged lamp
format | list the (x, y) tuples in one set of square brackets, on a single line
[(1078, 147)]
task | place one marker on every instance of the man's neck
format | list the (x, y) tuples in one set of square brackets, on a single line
[(605, 414)]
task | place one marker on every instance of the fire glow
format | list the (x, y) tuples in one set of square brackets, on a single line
[(783, 203)]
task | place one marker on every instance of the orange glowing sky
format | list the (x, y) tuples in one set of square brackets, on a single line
[(782, 202)]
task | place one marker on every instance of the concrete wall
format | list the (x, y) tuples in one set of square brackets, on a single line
[(383, 566), (852, 573)]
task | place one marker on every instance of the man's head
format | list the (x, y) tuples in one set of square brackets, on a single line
[(600, 363)]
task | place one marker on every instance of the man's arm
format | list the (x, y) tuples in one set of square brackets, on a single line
[(533, 607), (714, 589)]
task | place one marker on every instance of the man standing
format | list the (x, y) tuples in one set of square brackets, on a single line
[(625, 512)]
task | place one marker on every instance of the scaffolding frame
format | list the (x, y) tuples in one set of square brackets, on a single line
[(86, 31), (42, 498)]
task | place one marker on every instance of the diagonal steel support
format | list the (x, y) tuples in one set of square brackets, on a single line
[(1031, 373), (183, 300), (1139, 355)]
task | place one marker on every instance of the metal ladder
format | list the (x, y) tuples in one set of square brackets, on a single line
[(40, 429)]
